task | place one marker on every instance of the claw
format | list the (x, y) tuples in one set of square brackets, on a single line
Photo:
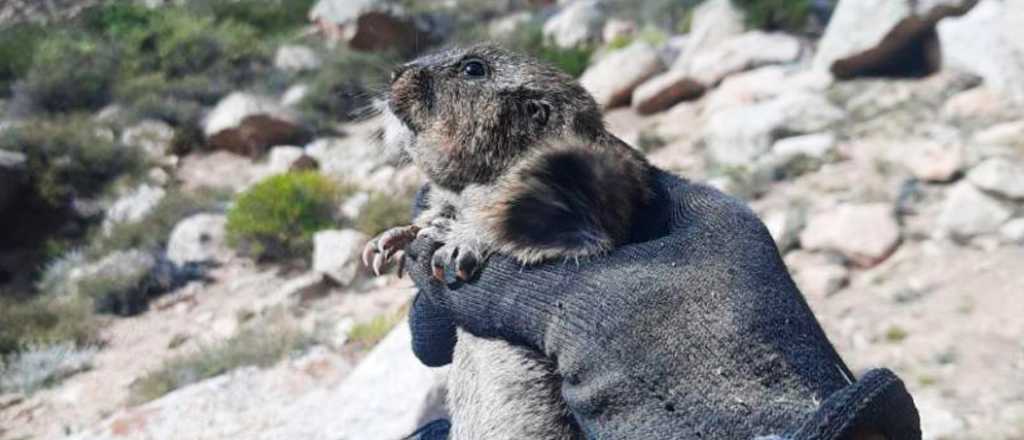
[(439, 273), (368, 252), (401, 262), (378, 263)]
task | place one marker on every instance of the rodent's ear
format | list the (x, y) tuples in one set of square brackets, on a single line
[(538, 111)]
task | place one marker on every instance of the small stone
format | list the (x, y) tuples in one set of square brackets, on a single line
[(336, 253), (280, 159), (978, 104), (296, 58), (133, 207), (743, 52), (199, 239), (817, 274), (865, 234), (294, 95), (152, 137), (617, 29), (613, 78), (785, 225), (248, 125), (354, 205), (934, 161), (158, 176), (1007, 133), (969, 212), (578, 23), (1013, 231), (816, 146), (999, 176), (665, 90)]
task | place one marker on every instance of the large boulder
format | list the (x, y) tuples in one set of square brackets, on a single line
[(738, 136), (885, 37), (369, 25), (988, 41), (742, 52), (864, 234), (198, 239), (248, 125), (613, 78), (577, 24), (336, 253)]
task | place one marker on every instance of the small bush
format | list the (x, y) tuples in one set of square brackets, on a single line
[(71, 71), (277, 217), (17, 47), (41, 366), (790, 15), (260, 346), (383, 212), (47, 320), (68, 157)]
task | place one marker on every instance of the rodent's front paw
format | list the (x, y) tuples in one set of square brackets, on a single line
[(378, 251), (465, 261)]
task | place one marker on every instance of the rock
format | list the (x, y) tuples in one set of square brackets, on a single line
[(999, 176), (158, 176), (1013, 231), (247, 125), (296, 291), (337, 254), (865, 234), (665, 90), (281, 159), (980, 104), (577, 24), (738, 136), (793, 156), (712, 22), (354, 205), (198, 239), (296, 58), (740, 53), (153, 137), (613, 78), (884, 37), (503, 28), (933, 161), (1005, 134), (988, 41), (369, 25), (219, 170), (969, 212), (746, 88), (938, 422), (294, 95), (13, 174), (133, 207), (117, 271), (618, 29), (785, 225), (816, 274)]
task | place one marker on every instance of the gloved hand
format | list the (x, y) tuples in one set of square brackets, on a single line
[(694, 330)]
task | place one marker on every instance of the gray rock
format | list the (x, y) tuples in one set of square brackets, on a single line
[(280, 159), (613, 78), (1005, 134), (248, 124), (785, 225), (865, 234), (1013, 231), (738, 136), (578, 23), (133, 207), (618, 29), (369, 25), (999, 176), (294, 95), (336, 253), (968, 212), (198, 239), (988, 41), (713, 22), (933, 161), (740, 53), (354, 205), (296, 58), (858, 25), (816, 146), (507, 26), (151, 136), (816, 274)]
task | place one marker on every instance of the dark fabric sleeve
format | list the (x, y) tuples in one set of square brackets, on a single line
[(695, 330), (433, 332)]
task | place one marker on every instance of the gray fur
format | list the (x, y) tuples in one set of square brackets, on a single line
[(497, 149)]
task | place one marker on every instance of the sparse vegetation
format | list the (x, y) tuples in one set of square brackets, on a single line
[(895, 334), (260, 346), (367, 334), (276, 218), (46, 320), (41, 366), (382, 212), (530, 40), (71, 71), (789, 15), (152, 233), (17, 46), (340, 89)]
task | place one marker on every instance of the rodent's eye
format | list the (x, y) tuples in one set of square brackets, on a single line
[(473, 68)]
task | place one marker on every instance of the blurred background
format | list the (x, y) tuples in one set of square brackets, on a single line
[(185, 187)]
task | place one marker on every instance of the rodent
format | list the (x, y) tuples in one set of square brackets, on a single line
[(520, 164)]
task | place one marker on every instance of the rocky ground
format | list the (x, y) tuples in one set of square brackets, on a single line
[(892, 183)]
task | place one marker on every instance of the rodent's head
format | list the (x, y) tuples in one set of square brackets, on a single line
[(472, 111)]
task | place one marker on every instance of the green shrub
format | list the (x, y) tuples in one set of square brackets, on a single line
[(260, 346), (383, 212), (790, 15), (277, 217), (68, 157), (71, 71), (46, 320), (17, 47), (269, 17)]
